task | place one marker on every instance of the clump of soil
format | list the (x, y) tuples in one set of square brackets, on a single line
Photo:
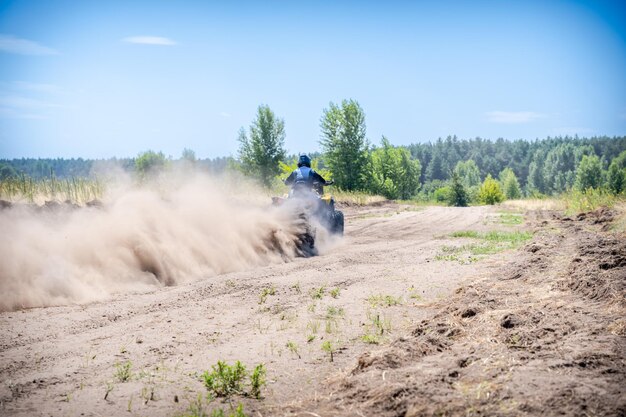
[(543, 335)]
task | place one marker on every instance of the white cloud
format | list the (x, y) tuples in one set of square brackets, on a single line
[(8, 113), (37, 88), (572, 131), (512, 116), (224, 114), (150, 40), (13, 45), (19, 102)]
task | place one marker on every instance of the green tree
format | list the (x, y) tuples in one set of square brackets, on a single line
[(468, 173), (490, 192), (616, 178), (458, 196), (345, 145), (261, 152), (589, 173), (395, 174), (189, 156), (436, 170), (7, 171), (559, 171), (510, 184), (149, 163), (535, 181)]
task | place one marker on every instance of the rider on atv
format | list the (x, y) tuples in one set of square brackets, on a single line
[(307, 186), (304, 179)]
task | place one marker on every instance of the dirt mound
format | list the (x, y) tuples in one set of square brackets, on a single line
[(526, 340), (599, 269)]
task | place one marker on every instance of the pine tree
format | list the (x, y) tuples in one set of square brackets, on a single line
[(458, 193)]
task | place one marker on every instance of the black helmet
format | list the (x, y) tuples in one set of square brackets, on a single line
[(304, 160)]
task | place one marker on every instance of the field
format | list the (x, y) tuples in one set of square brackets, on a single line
[(416, 311)]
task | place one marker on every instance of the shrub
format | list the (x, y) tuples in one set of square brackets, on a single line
[(226, 380), (490, 192), (442, 194)]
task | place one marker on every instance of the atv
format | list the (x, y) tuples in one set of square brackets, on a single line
[(314, 204)]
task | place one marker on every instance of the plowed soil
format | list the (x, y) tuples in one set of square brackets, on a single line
[(535, 331)]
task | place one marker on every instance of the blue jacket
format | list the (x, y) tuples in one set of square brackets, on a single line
[(305, 176)]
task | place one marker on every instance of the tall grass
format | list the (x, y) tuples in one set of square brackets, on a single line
[(359, 198), (581, 201), (75, 190)]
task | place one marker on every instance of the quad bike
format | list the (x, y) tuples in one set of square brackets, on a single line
[(314, 204)]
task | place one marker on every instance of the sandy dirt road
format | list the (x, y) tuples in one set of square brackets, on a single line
[(535, 331), (58, 361)]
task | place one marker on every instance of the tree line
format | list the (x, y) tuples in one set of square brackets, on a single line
[(453, 170), (459, 171)]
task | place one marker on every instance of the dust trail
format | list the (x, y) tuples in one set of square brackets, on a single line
[(139, 239)]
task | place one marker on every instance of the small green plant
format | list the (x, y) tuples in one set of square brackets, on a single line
[(318, 293), (492, 242), (218, 412), (293, 347), (123, 371), (195, 409), (384, 300), (327, 347), (225, 380), (296, 288), (257, 380), (335, 292), (313, 325), (511, 219), (147, 394), (329, 325), (310, 338), (380, 325), (370, 339), (265, 292), (414, 295), (109, 388), (332, 312), (466, 233)]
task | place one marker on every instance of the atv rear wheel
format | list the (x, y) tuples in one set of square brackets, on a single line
[(338, 223)]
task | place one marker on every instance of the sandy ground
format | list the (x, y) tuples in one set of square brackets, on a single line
[(59, 361)]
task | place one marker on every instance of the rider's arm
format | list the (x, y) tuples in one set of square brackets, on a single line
[(290, 179), (318, 178)]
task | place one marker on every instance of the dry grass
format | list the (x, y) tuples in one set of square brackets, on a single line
[(535, 204), (619, 223), (74, 190), (356, 197)]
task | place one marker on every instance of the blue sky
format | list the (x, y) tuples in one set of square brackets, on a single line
[(97, 79)]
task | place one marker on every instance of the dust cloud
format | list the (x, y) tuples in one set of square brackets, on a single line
[(140, 238)]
